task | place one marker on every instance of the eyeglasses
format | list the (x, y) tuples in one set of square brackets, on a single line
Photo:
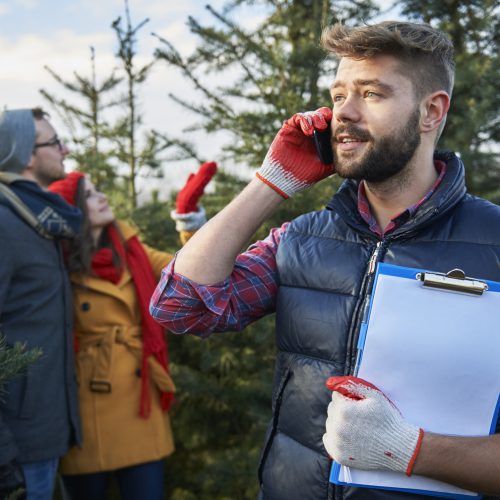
[(54, 142)]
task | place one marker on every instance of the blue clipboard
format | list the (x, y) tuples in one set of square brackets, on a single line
[(418, 343)]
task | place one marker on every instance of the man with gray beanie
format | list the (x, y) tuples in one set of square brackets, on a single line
[(38, 409)]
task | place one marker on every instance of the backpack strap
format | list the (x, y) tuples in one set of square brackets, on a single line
[(19, 206)]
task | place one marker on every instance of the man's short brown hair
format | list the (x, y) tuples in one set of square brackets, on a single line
[(425, 54)]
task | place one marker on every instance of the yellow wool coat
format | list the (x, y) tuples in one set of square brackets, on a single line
[(108, 332)]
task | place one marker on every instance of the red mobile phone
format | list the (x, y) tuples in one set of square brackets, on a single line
[(323, 143)]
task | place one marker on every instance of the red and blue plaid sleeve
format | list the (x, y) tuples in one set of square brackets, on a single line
[(183, 306)]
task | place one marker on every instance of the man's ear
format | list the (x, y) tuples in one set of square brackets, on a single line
[(32, 161), (29, 168), (433, 110)]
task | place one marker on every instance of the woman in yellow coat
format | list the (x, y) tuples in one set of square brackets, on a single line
[(125, 388)]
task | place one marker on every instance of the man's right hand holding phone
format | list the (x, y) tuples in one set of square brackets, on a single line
[(292, 163)]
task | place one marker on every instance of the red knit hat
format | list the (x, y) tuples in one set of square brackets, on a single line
[(67, 187)]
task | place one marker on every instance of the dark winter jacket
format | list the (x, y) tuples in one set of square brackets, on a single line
[(38, 409), (323, 261)]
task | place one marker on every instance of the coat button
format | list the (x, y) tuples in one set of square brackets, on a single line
[(85, 306), (138, 373)]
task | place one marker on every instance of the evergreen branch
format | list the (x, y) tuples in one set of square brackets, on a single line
[(86, 86), (172, 56), (219, 45), (109, 83), (195, 108), (250, 77), (247, 40), (129, 21), (140, 25), (14, 360), (178, 61), (65, 117), (228, 46), (65, 105), (186, 147), (142, 74), (64, 83)]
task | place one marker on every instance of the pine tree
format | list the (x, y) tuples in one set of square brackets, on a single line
[(85, 123), (124, 134), (106, 130)]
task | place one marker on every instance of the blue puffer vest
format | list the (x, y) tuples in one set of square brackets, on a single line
[(323, 260)]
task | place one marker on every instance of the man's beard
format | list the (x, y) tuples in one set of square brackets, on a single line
[(47, 175), (385, 157)]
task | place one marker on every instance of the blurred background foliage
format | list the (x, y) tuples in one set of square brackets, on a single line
[(276, 69)]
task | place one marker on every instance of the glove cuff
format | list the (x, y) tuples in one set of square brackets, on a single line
[(401, 453), (411, 463), (271, 185), (282, 181), (190, 221)]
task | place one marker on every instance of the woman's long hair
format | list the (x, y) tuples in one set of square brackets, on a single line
[(82, 248)]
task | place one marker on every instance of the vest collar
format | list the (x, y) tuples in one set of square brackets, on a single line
[(451, 190)]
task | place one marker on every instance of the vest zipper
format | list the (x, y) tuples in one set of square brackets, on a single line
[(362, 312), (373, 259)]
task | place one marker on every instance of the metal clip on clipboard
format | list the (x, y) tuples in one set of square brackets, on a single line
[(455, 281)]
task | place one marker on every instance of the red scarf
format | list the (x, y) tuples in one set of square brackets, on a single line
[(154, 341)]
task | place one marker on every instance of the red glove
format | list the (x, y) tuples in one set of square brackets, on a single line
[(187, 199), (345, 384), (292, 163)]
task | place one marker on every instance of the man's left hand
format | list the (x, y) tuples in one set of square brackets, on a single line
[(366, 431)]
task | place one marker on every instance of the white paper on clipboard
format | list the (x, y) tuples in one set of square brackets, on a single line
[(435, 354)]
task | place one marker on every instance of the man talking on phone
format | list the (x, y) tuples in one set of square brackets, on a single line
[(402, 202)]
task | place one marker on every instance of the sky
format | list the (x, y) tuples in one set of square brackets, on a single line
[(59, 33)]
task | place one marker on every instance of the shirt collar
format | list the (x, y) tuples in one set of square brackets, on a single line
[(397, 221)]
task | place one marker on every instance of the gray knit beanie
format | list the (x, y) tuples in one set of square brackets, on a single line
[(17, 138)]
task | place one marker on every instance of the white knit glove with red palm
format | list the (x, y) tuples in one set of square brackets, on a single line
[(366, 431), (292, 163)]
